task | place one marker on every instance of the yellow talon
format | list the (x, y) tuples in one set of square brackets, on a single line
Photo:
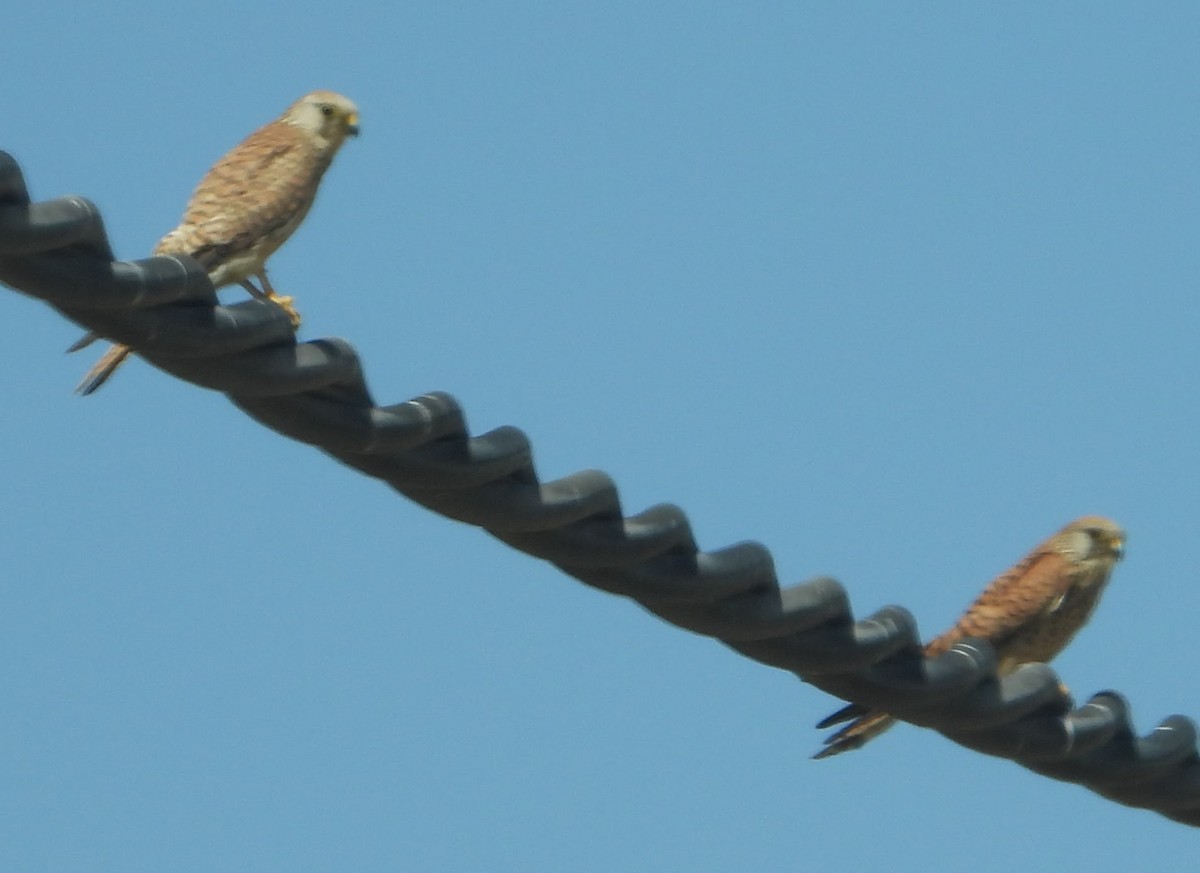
[(285, 303)]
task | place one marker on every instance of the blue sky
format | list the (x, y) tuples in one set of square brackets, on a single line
[(895, 289)]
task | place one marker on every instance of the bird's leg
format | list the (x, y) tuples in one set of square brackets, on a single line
[(269, 293), (255, 292)]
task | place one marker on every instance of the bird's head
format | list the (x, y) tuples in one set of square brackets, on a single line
[(326, 114), (1092, 538)]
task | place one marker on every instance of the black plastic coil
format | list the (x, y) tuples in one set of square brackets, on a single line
[(166, 308)]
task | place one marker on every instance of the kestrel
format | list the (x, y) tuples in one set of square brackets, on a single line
[(249, 203), (1028, 613)]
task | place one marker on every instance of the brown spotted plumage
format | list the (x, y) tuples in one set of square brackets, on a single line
[(1029, 613), (250, 202)]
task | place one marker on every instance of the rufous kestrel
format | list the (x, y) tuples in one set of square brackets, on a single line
[(249, 203), (1029, 613)]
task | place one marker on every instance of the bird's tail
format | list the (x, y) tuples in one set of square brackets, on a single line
[(83, 342), (865, 725), (102, 369)]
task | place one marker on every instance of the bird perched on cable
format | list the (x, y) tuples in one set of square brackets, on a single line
[(249, 203), (1028, 613)]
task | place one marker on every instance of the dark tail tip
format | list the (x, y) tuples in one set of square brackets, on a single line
[(846, 713), (83, 342)]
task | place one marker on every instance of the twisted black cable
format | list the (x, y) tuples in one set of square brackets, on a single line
[(313, 392)]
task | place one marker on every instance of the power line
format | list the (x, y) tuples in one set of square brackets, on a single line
[(314, 392)]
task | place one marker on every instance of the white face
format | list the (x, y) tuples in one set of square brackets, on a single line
[(1093, 542), (1080, 545), (330, 116)]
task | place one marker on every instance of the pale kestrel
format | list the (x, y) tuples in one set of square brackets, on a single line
[(1028, 613), (250, 202)]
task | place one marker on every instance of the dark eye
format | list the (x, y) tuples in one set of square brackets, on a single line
[(326, 110)]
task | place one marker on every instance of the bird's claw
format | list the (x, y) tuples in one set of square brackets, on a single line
[(285, 303)]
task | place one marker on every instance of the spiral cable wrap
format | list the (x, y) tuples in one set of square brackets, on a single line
[(166, 308)]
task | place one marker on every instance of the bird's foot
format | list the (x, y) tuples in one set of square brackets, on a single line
[(285, 303)]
